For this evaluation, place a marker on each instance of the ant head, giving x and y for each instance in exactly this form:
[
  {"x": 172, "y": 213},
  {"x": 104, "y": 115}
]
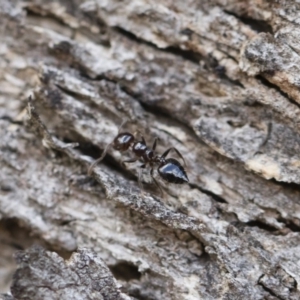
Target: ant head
[{"x": 123, "y": 141}]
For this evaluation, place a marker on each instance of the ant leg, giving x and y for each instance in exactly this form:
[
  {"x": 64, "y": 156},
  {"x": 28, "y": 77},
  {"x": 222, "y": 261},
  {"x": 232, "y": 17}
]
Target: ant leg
[
  {"x": 128, "y": 161},
  {"x": 156, "y": 183},
  {"x": 178, "y": 153},
  {"x": 154, "y": 144},
  {"x": 92, "y": 166},
  {"x": 165, "y": 153}
]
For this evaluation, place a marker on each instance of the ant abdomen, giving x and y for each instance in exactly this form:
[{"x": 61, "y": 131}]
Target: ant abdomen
[{"x": 172, "y": 171}]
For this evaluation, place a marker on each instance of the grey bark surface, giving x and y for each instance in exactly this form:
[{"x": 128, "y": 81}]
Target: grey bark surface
[{"x": 218, "y": 80}]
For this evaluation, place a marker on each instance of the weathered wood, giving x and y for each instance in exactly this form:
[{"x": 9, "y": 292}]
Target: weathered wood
[
  {"x": 216, "y": 79},
  {"x": 84, "y": 277}
]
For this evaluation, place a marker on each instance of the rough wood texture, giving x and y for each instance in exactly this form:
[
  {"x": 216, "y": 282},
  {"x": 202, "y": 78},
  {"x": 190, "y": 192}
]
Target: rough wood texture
[
  {"x": 84, "y": 277},
  {"x": 218, "y": 80}
]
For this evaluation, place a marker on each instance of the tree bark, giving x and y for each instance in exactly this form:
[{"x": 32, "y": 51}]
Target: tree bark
[{"x": 218, "y": 80}]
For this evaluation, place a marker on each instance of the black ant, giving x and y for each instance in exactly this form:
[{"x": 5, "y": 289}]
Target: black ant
[{"x": 168, "y": 169}]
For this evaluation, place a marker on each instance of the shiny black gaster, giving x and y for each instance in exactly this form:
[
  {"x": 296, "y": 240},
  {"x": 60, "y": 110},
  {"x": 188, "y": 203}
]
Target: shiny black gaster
[{"x": 172, "y": 171}]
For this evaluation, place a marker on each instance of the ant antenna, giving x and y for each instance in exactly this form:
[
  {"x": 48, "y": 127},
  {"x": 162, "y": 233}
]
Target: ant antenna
[
  {"x": 92, "y": 166},
  {"x": 122, "y": 124}
]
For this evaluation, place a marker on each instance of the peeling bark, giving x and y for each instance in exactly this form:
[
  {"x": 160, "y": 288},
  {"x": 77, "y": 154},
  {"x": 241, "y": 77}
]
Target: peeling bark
[{"x": 218, "y": 80}]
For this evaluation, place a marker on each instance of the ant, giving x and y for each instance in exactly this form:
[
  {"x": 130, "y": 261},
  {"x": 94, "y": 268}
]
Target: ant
[{"x": 169, "y": 169}]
